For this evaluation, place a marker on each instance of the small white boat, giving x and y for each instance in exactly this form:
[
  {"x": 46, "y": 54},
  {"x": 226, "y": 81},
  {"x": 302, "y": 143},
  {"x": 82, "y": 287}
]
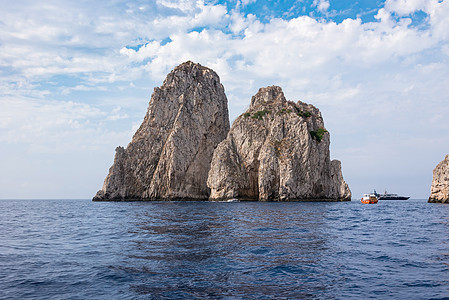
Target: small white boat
[
  {"x": 233, "y": 200},
  {"x": 229, "y": 200}
]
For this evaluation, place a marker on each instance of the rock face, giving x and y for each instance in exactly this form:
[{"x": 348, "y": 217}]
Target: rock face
[
  {"x": 439, "y": 191},
  {"x": 169, "y": 155},
  {"x": 277, "y": 150}
]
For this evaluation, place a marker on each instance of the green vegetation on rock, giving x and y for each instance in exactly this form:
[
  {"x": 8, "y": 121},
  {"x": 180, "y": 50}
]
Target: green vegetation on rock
[
  {"x": 318, "y": 134},
  {"x": 259, "y": 115},
  {"x": 301, "y": 113},
  {"x": 283, "y": 111}
]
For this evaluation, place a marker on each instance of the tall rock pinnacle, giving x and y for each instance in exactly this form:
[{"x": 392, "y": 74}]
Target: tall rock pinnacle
[
  {"x": 169, "y": 155},
  {"x": 277, "y": 150}
]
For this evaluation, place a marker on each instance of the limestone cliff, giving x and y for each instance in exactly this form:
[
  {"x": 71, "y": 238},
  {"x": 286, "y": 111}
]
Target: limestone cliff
[
  {"x": 439, "y": 191},
  {"x": 277, "y": 150},
  {"x": 169, "y": 155}
]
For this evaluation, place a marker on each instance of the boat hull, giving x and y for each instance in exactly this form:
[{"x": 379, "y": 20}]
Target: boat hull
[
  {"x": 369, "y": 201},
  {"x": 393, "y": 198}
]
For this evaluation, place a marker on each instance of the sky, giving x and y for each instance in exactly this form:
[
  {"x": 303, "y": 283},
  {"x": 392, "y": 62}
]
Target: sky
[{"x": 76, "y": 78}]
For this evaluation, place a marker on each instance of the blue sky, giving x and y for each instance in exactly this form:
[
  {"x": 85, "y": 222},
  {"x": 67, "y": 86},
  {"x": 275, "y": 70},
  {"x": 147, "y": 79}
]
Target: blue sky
[{"x": 76, "y": 78}]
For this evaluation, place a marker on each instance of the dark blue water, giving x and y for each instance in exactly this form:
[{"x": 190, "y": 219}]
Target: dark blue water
[{"x": 78, "y": 249}]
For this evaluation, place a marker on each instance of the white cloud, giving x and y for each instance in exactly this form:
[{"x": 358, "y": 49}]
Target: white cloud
[
  {"x": 321, "y": 5},
  {"x": 29, "y": 121},
  {"x": 84, "y": 88},
  {"x": 148, "y": 50},
  {"x": 209, "y": 15},
  {"x": 438, "y": 12},
  {"x": 405, "y": 7},
  {"x": 237, "y": 22},
  {"x": 183, "y": 5},
  {"x": 116, "y": 115},
  {"x": 246, "y": 2}
]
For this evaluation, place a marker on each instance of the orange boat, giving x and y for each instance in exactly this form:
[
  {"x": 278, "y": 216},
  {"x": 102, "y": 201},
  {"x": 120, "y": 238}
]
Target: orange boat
[{"x": 369, "y": 199}]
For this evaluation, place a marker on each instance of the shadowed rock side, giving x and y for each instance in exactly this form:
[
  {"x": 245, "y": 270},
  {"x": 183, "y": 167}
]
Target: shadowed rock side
[
  {"x": 169, "y": 155},
  {"x": 277, "y": 150},
  {"x": 439, "y": 191}
]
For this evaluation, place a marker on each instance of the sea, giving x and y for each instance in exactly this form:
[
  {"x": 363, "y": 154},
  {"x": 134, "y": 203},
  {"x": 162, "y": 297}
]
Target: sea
[{"x": 79, "y": 249}]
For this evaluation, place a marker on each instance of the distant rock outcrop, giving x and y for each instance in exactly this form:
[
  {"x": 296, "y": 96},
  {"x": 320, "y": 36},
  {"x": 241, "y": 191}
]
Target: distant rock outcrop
[
  {"x": 276, "y": 151},
  {"x": 169, "y": 155},
  {"x": 439, "y": 191}
]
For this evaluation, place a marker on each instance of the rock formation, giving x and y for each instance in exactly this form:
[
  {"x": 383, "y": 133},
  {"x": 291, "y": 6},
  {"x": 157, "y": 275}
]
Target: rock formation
[
  {"x": 277, "y": 150},
  {"x": 169, "y": 155},
  {"x": 439, "y": 191}
]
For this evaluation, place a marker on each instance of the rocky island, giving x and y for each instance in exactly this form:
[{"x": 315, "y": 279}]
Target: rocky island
[
  {"x": 169, "y": 155},
  {"x": 439, "y": 191},
  {"x": 278, "y": 150}
]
